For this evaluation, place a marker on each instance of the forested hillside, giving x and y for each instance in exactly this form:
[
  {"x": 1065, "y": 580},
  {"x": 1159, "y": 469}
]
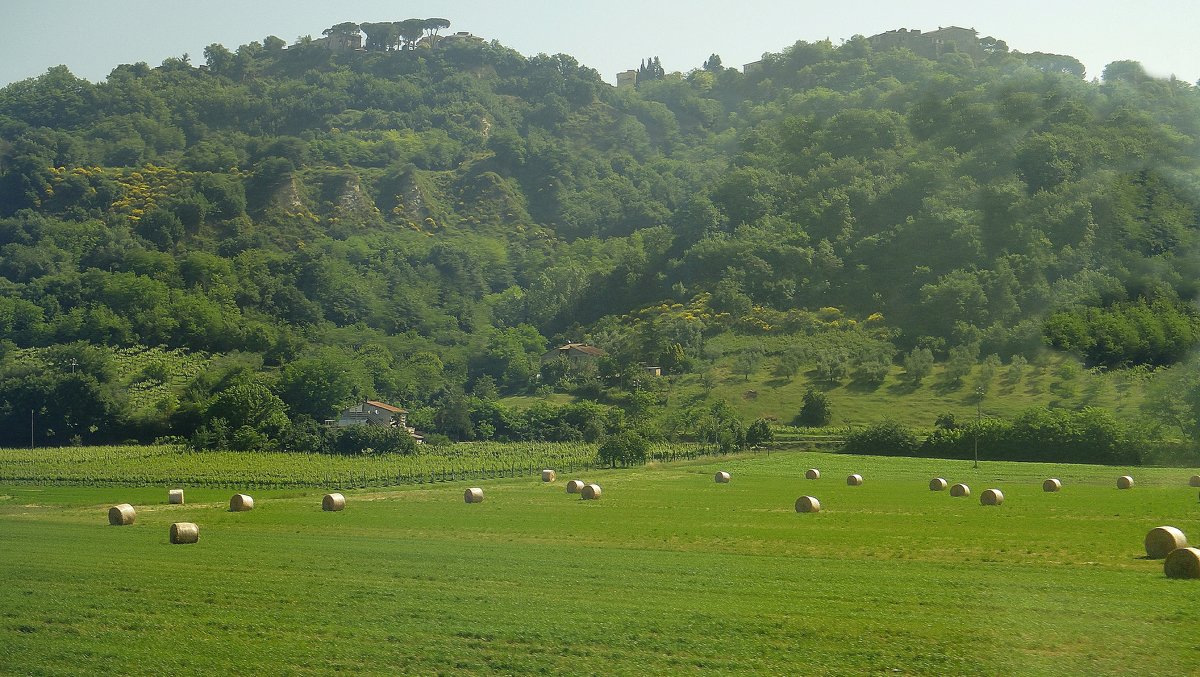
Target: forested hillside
[{"x": 282, "y": 230}]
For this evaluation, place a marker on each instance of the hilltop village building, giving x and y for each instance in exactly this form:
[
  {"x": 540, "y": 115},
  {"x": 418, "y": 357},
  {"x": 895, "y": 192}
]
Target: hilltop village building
[{"x": 931, "y": 44}]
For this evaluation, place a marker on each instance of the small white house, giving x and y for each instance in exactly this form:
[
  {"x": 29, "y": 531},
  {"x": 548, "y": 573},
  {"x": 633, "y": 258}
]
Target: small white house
[{"x": 370, "y": 412}]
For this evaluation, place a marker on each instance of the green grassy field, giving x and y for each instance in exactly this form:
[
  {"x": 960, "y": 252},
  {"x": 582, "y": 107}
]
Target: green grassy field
[{"x": 667, "y": 573}]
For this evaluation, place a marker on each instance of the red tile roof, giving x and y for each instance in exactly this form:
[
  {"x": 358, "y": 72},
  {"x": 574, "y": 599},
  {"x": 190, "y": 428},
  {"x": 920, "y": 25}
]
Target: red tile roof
[{"x": 386, "y": 407}]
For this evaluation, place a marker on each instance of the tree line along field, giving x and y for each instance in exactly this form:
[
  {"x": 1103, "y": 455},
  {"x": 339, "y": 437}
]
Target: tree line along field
[{"x": 668, "y": 572}]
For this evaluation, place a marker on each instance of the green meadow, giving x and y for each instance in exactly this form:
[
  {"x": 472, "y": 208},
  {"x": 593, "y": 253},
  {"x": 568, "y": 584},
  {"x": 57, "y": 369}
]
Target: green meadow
[{"x": 667, "y": 573}]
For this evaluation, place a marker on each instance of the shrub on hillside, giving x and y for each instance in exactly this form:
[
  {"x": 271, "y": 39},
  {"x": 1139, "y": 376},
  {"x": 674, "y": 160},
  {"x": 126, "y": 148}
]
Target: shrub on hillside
[{"x": 886, "y": 438}]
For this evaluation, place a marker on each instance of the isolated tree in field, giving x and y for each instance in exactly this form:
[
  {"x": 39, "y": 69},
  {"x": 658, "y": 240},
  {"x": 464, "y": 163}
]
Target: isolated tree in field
[
  {"x": 759, "y": 433},
  {"x": 746, "y": 363},
  {"x": 816, "y": 410},
  {"x": 626, "y": 447},
  {"x": 987, "y": 372},
  {"x": 1016, "y": 368},
  {"x": 962, "y": 359},
  {"x": 918, "y": 364}
]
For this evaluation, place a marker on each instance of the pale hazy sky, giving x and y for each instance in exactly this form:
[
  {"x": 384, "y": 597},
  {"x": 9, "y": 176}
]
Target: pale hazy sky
[{"x": 93, "y": 36}]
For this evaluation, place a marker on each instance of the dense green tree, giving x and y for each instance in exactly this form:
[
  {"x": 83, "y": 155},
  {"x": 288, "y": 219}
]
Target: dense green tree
[
  {"x": 816, "y": 410},
  {"x": 626, "y": 447}
]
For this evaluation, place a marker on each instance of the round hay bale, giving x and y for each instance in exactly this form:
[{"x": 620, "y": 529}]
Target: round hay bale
[
  {"x": 937, "y": 484},
  {"x": 1194, "y": 481},
  {"x": 854, "y": 480},
  {"x": 241, "y": 503},
  {"x": 175, "y": 497},
  {"x": 121, "y": 515},
  {"x": 808, "y": 504},
  {"x": 549, "y": 475},
  {"x": 333, "y": 502},
  {"x": 184, "y": 532},
  {"x": 991, "y": 497},
  {"x": 812, "y": 474},
  {"x": 1161, "y": 541},
  {"x": 721, "y": 477},
  {"x": 1052, "y": 484},
  {"x": 1124, "y": 482},
  {"x": 960, "y": 490},
  {"x": 473, "y": 495},
  {"x": 574, "y": 486},
  {"x": 591, "y": 492},
  {"x": 1183, "y": 563}
]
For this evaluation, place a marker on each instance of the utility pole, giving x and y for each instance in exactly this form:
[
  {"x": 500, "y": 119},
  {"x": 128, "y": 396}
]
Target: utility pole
[{"x": 978, "y": 417}]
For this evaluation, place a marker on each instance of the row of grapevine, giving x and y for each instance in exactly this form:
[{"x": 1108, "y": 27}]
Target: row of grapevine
[{"x": 174, "y": 465}]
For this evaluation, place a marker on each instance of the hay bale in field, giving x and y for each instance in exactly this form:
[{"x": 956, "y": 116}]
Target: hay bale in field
[
  {"x": 184, "y": 532},
  {"x": 175, "y": 497},
  {"x": 1161, "y": 541},
  {"x": 121, "y": 515},
  {"x": 333, "y": 502},
  {"x": 808, "y": 504},
  {"x": 590, "y": 492},
  {"x": 937, "y": 484},
  {"x": 1052, "y": 484},
  {"x": 721, "y": 477},
  {"x": 241, "y": 503},
  {"x": 1124, "y": 482},
  {"x": 473, "y": 495},
  {"x": 1183, "y": 563},
  {"x": 549, "y": 475},
  {"x": 812, "y": 474},
  {"x": 574, "y": 486},
  {"x": 854, "y": 480},
  {"x": 960, "y": 490},
  {"x": 1194, "y": 481},
  {"x": 991, "y": 497}
]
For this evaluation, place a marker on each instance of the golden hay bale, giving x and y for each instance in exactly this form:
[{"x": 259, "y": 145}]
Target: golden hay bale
[
  {"x": 721, "y": 477},
  {"x": 1183, "y": 563},
  {"x": 1124, "y": 482},
  {"x": 574, "y": 486},
  {"x": 175, "y": 497},
  {"x": 591, "y": 492},
  {"x": 1194, "y": 481},
  {"x": 808, "y": 504},
  {"x": 333, "y": 502},
  {"x": 812, "y": 474},
  {"x": 1052, "y": 484},
  {"x": 1161, "y": 541},
  {"x": 473, "y": 495},
  {"x": 241, "y": 503},
  {"x": 937, "y": 484},
  {"x": 991, "y": 497},
  {"x": 549, "y": 475},
  {"x": 854, "y": 480},
  {"x": 960, "y": 490},
  {"x": 121, "y": 515},
  {"x": 184, "y": 532}
]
